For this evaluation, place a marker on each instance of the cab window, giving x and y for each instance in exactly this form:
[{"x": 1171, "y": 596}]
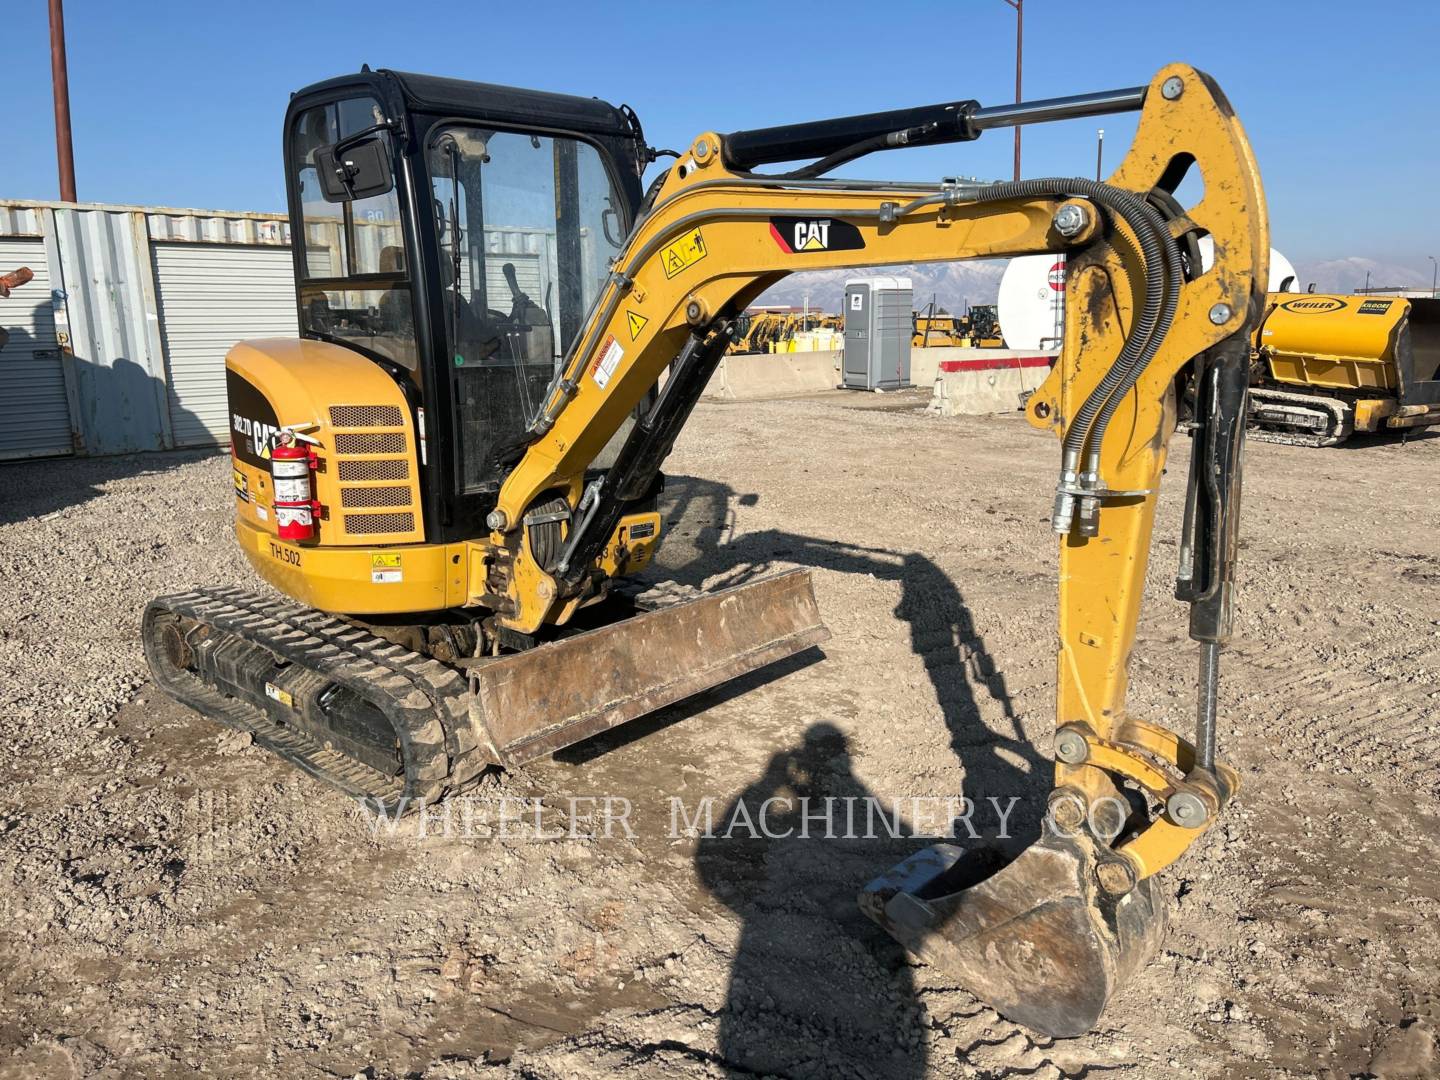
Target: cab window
[
  {"x": 355, "y": 284},
  {"x": 527, "y": 226}
]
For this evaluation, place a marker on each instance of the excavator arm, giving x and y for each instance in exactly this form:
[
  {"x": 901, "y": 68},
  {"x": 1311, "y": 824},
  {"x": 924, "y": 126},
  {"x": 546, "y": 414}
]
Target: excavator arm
[{"x": 1049, "y": 937}]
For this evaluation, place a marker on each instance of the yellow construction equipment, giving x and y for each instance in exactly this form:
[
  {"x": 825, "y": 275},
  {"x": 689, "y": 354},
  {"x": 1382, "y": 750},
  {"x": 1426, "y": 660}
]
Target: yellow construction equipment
[
  {"x": 978, "y": 328},
  {"x": 501, "y": 338},
  {"x": 934, "y": 329},
  {"x": 1326, "y": 366},
  {"x": 773, "y": 330}
]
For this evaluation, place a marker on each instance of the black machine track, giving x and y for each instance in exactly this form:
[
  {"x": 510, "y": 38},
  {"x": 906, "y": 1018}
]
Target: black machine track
[
  {"x": 1299, "y": 419},
  {"x": 369, "y": 717}
]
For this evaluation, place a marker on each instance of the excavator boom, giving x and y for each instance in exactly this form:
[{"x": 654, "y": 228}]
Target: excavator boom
[{"x": 1050, "y": 937}]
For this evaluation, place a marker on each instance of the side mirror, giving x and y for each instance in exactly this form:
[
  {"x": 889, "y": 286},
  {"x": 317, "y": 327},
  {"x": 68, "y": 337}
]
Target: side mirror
[{"x": 358, "y": 171}]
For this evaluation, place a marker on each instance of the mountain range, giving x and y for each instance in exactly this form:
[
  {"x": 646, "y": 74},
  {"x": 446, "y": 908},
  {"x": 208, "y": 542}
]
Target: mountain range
[{"x": 953, "y": 285}]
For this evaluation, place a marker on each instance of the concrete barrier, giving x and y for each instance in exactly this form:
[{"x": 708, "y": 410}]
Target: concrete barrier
[
  {"x": 965, "y": 381},
  {"x": 756, "y": 376},
  {"x": 973, "y": 382}
]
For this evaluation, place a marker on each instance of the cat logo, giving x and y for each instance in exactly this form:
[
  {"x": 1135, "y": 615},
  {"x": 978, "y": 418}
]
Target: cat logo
[
  {"x": 798, "y": 236},
  {"x": 261, "y": 435}
]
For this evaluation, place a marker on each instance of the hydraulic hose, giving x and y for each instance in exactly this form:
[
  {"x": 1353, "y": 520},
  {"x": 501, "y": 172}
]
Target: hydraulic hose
[
  {"x": 1148, "y": 229},
  {"x": 1162, "y": 285},
  {"x": 1173, "y": 277}
]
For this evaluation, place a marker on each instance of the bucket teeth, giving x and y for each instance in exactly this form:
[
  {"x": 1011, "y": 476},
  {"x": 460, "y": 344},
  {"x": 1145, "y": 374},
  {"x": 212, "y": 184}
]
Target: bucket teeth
[{"x": 1039, "y": 940}]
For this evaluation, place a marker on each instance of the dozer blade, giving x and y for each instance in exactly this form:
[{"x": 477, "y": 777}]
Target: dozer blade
[
  {"x": 1040, "y": 940},
  {"x": 537, "y": 702}
]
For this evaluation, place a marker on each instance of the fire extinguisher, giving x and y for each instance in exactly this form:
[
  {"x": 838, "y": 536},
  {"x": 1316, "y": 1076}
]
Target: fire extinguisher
[{"x": 291, "y": 466}]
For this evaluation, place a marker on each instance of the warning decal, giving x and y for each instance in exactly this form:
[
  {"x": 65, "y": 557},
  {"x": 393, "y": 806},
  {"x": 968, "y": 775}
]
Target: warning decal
[
  {"x": 683, "y": 253},
  {"x": 607, "y": 360},
  {"x": 637, "y": 323},
  {"x": 385, "y": 569}
]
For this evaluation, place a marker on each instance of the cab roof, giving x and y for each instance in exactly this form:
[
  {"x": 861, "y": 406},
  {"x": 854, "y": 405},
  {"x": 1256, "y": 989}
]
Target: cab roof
[{"x": 503, "y": 105}]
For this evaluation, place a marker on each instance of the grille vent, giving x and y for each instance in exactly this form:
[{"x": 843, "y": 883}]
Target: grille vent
[
  {"x": 365, "y": 498},
  {"x": 364, "y": 416},
  {"x": 368, "y": 469},
  {"x": 390, "y": 442},
  {"x": 370, "y": 524}
]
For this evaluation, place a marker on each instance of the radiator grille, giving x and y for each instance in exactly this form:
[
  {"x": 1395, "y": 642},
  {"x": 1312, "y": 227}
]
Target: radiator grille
[
  {"x": 369, "y": 524},
  {"x": 364, "y": 416},
  {"x": 389, "y": 442},
  {"x": 370, "y": 497},
  {"x": 369, "y": 469}
]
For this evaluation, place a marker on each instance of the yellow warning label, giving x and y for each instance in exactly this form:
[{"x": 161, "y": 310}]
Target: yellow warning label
[
  {"x": 377, "y": 561},
  {"x": 637, "y": 323},
  {"x": 275, "y": 693},
  {"x": 683, "y": 253}
]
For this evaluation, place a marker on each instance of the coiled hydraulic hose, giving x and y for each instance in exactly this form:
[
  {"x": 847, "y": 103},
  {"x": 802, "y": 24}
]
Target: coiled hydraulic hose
[
  {"x": 1162, "y": 285},
  {"x": 1173, "y": 277},
  {"x": 1140, "y": 343}
]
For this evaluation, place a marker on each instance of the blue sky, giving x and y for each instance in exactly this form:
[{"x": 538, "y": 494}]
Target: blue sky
[{"x": 180, "y": 103}]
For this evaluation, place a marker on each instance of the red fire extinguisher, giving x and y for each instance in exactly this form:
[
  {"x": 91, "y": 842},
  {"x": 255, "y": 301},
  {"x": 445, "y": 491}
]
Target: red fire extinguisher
[{"x": 291, "y": 466}]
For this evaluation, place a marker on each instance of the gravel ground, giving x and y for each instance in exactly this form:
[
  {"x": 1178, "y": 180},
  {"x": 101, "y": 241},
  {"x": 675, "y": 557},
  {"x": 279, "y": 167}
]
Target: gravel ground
[{"x": 174, "y": 900}]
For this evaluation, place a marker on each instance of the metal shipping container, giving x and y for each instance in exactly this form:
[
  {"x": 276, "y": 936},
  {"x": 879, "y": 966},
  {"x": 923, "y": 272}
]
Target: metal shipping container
[
  {"x": 34, "y": 406},
  {"x": 210, "y": 296},
  {"x": 113, "y": 341},
  {"x": 119, "y": 343}
]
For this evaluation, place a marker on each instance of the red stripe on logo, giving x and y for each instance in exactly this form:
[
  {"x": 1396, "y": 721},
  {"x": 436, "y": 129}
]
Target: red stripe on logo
[{"x": 781, "y": 241}]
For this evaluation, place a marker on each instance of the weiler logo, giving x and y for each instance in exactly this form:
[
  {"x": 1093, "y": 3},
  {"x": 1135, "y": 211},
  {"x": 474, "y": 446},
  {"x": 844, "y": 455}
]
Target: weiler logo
[
  {"x": 1313, "y": 305},
  {"x": 796, "y": 236}
]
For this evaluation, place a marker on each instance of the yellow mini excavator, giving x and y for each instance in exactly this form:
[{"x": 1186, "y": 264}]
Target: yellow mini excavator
[{"x": 501, "y": 336}]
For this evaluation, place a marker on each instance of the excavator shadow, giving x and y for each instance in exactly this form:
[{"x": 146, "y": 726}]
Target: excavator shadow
[
  {"x": 802, "y": 937},
  {"x": 702, "y": 550}
]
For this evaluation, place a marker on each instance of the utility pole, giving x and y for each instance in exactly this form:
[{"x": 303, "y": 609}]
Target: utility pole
[
  {"x": 1099, "y": 152},
  {"x": 1019, "y": 6},
  {"x": 64, "y": 150},
  {"x": 1366, "y": 290},
  {"x": 1434, "y": 275}
]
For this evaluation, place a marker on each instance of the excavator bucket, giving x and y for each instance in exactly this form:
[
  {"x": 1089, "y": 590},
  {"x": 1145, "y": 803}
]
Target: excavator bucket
[
  {"x": 1041, "y": 940},
  {"x": 537, "y": 702}
]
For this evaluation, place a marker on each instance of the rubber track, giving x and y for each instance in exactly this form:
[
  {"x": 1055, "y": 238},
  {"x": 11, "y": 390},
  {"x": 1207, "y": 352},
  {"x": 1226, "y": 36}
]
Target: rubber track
[
  {"x": 1336, "y": 413},
  {"x": 426, "y": 702}
]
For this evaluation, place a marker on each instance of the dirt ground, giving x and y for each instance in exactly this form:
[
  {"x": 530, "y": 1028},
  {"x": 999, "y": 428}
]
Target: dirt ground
[{"x": 174, "y": 900}]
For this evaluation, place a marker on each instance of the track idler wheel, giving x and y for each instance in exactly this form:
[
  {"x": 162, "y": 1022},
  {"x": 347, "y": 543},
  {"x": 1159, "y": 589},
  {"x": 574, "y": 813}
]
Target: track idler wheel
[{"x": 1045, "y": 941}]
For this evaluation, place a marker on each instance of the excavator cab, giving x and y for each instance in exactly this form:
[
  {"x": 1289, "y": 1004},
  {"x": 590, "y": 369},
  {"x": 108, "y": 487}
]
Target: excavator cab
[{"x": 456, "y": 234}]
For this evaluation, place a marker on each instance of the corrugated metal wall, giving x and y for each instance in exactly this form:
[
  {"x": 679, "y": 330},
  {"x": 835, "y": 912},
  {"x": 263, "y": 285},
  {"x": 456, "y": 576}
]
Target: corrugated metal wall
[
  {"x": 114, "y": 341},
  {"x": 211, "y": 296},
  {"x": 119, "y": 343},
  {"x": 34, "y": 407}
]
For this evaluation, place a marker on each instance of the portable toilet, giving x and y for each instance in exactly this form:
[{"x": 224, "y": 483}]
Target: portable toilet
[{"x": 877, "y": 333}]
